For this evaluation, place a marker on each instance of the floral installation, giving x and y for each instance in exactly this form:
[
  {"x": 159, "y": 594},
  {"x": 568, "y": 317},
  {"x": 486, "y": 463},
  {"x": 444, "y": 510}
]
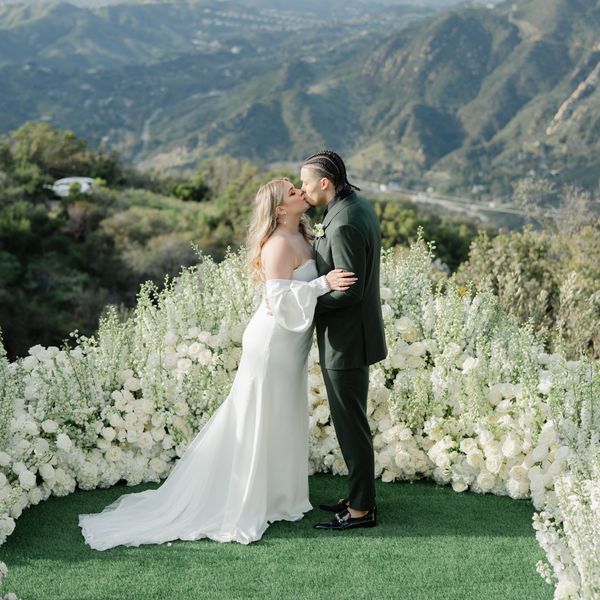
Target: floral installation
[{"x": 466, "y": 397}]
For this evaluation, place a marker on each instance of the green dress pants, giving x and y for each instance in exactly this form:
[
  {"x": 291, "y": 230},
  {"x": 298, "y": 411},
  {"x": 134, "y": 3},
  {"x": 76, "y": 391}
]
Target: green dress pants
[{"x": 347, "y": 391}]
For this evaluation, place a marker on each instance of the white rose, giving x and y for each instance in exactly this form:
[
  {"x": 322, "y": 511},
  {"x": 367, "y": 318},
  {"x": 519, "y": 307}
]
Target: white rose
[
  {"x": 548, "y": 435},
  {"x": 404, "y": 325},
  {"x": 402, "y": 459},
  {"x": 495, "y": 394},
  {"x": 469, "y": 364},
  {"x": 511, "y": 447},
  {"x": 30, "y": 427},
  {"x": 49, "y": 426},
  {"x": 416, "y": 349},
  {"x": 561, "y": 453},
  {"x": 167, "y": 442},
  {"x": 467, "y": 445},
  {"x": 158, "y": 434},
  {"x": 205, "y": 358},
  {"x": 145, "y": 440},
  {"x": 116, "y": 420},
  {"x": 486, "y": 481},
  {"x": 493, "y": 463},
  {"x": 170, "y": 338},
  {"x": 182, "y": 350},
  {"x": 475, "y": 458},
  {"x": 385, "y": 293},
  {"x": 545, "y": 386},
  {"x": 194, "y": 349},
  {"x": 5, "y": 459},
  {"x": 485, "y": 437},
  {"x": 18, "y": 468},
  {"x": 35, "y": 495},
  {"x": 397, "y": 360},
  {"x": 503, "y": 407},
  {"x": 158, "y": 419},
  {"x": 47, "y": 472},
  {"x": 387, "y": 311},
  {"x": 235, "y": 333},
  {"x": 414, "y": 362},
  {"x": 539, "y": 453},
  {"x": 517, "y": 488},
  {"x": 102, "y": 444},
  {"x": 184, "y": 364},
  {"x": 131, "y": 419},
  {"x": 170, "y": 360},
  {"x": 157, "y": 465},
  {"x": 442, "y": 460},
  {"x": 133, "y": 384},
  {"x": 181, "y": 409},
  {"x": 519, "y": 473},
  {"x": 566, "y": 589},
  {"x": 508, "y": 390},
  {"x": 63, "y": 442},
  {"x": 405, "y": 434},
  {"x": 30, "y": 363},
  {"x": 41, "y": 447},
  {"x": 458, "y": 486},
  {"x": 27, "y": 479},
  {"x": 108, "y": 433},
  {"x": 114, "y": 453}
]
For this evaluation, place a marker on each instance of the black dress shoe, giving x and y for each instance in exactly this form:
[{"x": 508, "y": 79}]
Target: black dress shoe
[
  {"x": 339, "y": 506},
  {"x": 343, "y": 521}
]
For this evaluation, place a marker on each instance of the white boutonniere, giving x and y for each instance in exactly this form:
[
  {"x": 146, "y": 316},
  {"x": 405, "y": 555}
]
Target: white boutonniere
[{"x": 319, "y": 230}]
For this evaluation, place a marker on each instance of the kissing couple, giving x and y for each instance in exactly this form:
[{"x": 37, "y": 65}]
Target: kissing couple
[{"x": 248, "y": 466}]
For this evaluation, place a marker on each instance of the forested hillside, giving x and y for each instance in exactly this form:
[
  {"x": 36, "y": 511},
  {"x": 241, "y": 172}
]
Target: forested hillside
[
  {"x": 62, "y": 261},
  {"x": 468, "y": 96}
]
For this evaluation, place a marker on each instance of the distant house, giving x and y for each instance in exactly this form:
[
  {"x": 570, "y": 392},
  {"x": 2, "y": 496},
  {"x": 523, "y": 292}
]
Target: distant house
[{"x": 62, "y": 187}]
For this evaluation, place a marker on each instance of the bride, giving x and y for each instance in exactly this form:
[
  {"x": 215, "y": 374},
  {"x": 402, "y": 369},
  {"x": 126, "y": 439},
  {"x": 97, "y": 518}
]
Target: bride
[{"x": 248, "y": 466}]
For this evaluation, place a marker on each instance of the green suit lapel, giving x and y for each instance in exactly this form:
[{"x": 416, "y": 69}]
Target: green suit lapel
[{"x": 338, "y": 208}]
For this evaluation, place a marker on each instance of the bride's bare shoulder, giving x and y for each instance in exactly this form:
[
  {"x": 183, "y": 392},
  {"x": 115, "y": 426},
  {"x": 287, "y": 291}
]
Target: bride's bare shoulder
[
  {"x": 277, "y": 244},
  {"x": 277, "y": 257}
]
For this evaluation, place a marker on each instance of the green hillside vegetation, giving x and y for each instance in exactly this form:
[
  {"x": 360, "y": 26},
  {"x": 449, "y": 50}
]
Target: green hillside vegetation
[
  {"x": 62, "y": 261},
  {"x": 469, "y": 96}
]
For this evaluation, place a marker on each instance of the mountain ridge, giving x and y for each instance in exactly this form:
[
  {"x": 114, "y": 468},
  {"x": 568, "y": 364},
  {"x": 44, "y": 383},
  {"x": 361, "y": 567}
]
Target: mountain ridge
[{"x": 470, "y": 96}]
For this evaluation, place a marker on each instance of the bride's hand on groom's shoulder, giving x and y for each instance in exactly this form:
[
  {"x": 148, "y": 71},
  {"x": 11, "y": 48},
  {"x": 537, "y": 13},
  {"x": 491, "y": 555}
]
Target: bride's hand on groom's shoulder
[{"x": 340, "y": 280}]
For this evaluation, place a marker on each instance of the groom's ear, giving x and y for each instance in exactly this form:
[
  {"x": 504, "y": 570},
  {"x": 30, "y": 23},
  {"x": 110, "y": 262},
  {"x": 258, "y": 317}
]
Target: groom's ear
[{"x": 325, "y": 183}]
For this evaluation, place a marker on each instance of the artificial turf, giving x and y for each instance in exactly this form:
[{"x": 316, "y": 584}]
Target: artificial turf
[{"x": 430, "y": 543}]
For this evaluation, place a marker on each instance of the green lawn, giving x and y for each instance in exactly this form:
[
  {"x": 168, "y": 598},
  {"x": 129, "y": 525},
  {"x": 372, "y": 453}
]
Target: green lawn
[{"x": 431, "y": 543}]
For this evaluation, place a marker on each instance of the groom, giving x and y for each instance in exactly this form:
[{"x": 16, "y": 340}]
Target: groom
[{"x": 349, "y": 325}]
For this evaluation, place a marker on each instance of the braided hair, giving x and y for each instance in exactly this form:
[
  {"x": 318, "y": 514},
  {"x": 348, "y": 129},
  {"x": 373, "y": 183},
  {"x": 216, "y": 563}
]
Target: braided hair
[{"x": 330, "y": 165}]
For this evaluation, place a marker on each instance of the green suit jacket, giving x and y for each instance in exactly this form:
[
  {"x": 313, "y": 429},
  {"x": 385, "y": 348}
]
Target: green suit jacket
[{"x": 349, "y": 324}]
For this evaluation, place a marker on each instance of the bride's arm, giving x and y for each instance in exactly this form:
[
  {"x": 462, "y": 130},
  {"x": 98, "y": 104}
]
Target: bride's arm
[{"x": 292, "y": 303}]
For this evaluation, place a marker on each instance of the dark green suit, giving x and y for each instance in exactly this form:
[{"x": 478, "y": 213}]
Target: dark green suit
[{"x": 350, "y": 334}]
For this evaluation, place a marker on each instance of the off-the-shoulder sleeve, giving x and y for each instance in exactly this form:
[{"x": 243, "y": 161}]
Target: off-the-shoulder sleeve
[{"x": 293, "y": 302}]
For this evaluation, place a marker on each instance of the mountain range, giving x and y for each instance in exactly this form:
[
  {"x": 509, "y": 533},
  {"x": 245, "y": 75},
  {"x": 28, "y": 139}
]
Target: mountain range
[{"x": 468, "y": 97}]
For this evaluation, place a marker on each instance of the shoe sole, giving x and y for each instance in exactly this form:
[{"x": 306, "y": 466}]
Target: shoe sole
[{"x": 357, "y": 526}]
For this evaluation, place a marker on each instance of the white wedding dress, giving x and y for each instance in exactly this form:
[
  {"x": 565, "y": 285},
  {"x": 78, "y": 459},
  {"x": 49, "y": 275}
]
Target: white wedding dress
[{"x": 248, "y": 466}]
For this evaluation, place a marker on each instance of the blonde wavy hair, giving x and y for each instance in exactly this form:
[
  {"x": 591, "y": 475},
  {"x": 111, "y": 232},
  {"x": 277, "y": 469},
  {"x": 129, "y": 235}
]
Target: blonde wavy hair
[{"x": 264, "y": 222}]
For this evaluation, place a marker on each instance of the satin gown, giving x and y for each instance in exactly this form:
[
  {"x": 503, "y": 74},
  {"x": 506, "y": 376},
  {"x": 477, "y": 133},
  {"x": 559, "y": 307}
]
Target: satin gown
[{"x": 248, "y": 466}]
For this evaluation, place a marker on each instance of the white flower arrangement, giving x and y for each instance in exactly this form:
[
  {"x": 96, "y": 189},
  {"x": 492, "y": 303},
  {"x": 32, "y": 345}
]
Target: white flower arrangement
[{"x": 465, "y": 397}]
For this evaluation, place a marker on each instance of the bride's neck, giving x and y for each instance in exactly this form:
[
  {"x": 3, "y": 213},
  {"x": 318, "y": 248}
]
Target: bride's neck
[{"x": 291, "y": 225}]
